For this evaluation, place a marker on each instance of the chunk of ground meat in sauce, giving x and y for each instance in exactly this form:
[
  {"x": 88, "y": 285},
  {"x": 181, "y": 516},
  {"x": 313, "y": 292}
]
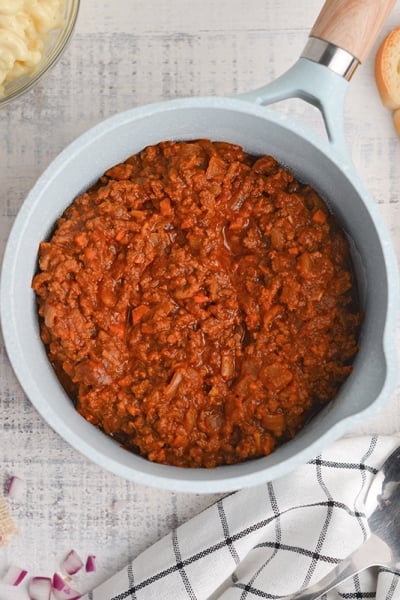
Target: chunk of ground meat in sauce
[{"x": 198, "y": 304}]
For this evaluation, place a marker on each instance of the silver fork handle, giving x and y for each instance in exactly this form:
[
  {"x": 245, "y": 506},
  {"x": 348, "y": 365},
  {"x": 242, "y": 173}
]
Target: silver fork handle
[{"x": 374, "y": 552}]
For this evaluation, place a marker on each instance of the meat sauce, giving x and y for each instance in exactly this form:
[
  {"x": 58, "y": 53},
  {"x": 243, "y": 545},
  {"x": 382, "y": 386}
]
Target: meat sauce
[{"x": 198, "y": 304}]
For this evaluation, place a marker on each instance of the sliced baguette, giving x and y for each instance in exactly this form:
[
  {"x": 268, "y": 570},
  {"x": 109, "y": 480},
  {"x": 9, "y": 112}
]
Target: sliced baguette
[
  {"x": 387, "y": 69},
  {"x": 396, "y": 119}
]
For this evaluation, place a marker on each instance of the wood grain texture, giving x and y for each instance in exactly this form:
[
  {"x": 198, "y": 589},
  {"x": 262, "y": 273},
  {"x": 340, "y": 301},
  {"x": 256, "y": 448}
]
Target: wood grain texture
[
  {"x": 7, "y": 525},
  {"x": 352, "y": 25},
  {"x": 126, "y": 53}
]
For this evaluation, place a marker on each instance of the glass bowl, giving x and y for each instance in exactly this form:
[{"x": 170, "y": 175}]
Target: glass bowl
[{"x": 55, "y": 45}]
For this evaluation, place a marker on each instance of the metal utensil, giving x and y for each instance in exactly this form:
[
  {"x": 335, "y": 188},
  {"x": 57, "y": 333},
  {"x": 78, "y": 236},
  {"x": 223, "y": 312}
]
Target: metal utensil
[{"x": 382, "y": 548}]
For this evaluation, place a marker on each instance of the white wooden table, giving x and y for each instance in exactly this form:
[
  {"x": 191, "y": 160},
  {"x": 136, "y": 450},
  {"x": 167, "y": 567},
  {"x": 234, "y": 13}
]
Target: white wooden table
[{"x": 125, "y": 53}]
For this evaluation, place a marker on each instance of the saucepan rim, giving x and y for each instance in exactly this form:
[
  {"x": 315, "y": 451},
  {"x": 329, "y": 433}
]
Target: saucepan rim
[{"x": 221, "y": 479}]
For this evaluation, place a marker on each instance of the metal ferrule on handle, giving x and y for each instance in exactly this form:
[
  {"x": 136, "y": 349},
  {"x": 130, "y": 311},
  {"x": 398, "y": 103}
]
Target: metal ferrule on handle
[{"x": 336, "y": 59}]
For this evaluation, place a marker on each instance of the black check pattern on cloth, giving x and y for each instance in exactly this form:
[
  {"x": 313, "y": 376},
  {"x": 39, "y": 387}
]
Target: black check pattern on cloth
[{"x": 271, "y": 540}]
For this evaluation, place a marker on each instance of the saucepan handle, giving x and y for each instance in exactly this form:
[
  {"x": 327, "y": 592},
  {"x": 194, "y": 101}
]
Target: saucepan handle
[
  {"x": 352, "y": 25},
  {"x": 340, "y": 40}
]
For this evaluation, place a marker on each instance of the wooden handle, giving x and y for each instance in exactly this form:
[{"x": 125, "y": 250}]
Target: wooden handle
[{"x": 352, "y": 25}]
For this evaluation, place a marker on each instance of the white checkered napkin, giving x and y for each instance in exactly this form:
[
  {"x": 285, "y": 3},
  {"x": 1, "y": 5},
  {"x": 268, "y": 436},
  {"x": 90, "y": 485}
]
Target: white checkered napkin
[{"x": 268, "y": 541}]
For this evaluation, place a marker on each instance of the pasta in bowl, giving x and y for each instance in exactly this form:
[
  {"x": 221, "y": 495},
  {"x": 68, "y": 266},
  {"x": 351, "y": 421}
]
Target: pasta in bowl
[{"x": 33, "y": 35}]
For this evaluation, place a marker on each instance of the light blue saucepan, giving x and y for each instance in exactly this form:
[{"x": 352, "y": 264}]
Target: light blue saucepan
[{"x": 319, "y": 77}]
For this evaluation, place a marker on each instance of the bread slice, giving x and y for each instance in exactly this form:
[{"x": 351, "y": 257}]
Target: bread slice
[
  {"x": 396, "y": 119},
  {"x": 387, "y": 69}
]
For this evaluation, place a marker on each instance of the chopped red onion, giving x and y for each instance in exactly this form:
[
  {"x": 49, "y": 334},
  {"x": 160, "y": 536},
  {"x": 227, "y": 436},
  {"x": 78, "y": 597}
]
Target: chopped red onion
[
  {"x": 15, "y": 487},
  {"x": 58, "y": 582},
  {"x": 14, "y": 575},
  {"x": 90, "y": 563},
  {"x": 72, "y": 563},
  {"x": 39, "y": 588},
  {"x": 62, "y": 591}
]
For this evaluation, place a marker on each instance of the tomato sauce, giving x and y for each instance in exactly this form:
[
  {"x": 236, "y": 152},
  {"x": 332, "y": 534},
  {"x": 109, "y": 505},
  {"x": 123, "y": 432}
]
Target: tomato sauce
[{"x": 198, "y": 304}]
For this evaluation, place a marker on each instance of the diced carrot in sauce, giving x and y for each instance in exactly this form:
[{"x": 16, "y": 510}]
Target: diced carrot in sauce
[
  {"x": 139, "y": 312},
  {"x": 119, "y": 236},
  {"x": 200, "y": 298},
  {"x": 319, "y": 216},
  {"x": 165, "y": 207},
  {"x": 81, "y": 240}
]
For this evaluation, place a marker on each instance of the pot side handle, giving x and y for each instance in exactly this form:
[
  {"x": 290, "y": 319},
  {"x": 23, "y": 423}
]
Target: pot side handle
[{"x": 352, "y": 25}]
